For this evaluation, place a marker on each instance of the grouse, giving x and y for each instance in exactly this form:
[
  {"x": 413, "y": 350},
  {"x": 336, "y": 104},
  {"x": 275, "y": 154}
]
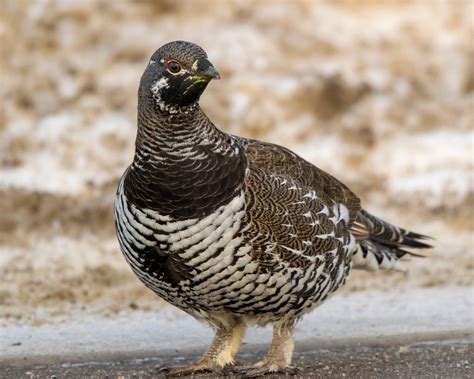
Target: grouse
[{"x": 235, "y": 231}]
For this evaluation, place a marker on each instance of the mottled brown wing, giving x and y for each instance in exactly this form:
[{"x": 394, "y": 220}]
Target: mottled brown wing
[
  {"x": 281, "y": 161},
  {"x": 296, "y": 217}
]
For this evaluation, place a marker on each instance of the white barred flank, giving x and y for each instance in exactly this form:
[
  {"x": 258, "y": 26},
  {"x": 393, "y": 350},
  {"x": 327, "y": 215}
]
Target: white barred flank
[
  {"x": 223, "y": 272},
  {"x": 196, "y": 241}
]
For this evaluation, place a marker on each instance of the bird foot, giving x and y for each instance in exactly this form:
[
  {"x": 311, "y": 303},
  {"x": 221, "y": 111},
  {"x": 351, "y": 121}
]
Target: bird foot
[
  {"x": 262, "y": 369},
  {"x": 196, "y": 368}
]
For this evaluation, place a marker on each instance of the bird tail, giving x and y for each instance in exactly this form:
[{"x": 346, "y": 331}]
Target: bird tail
[{"x": 381, "y": 245}]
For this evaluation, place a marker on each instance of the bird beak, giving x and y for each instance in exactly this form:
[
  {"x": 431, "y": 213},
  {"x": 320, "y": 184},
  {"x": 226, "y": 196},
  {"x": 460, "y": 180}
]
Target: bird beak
[
  {"x": 212, "y": 72},
  {"x": 204, "y": 70}
]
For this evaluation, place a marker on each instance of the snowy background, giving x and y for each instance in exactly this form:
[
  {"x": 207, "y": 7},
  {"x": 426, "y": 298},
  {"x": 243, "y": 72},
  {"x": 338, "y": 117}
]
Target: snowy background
[{"x": 378, "y": 93}]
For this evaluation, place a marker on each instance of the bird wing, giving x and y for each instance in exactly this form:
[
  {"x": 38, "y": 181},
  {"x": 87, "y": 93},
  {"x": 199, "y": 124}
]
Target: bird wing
[
  {"x": 278, "y": 160},
  {"x": 297, "y": 215}
]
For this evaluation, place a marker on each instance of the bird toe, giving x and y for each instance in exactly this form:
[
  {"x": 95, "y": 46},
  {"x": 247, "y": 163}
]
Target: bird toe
[
  {"x": 197, "y": 368},
  {"x": 269, "y": 369}
]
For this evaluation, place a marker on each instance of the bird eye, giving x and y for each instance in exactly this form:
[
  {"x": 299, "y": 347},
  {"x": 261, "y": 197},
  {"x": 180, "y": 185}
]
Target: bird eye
[{"x": 174, "y": 67}]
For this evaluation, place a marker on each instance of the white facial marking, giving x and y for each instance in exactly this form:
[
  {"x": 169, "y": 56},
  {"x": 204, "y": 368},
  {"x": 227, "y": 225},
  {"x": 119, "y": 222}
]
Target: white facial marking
[
  {"x": 159, "y": 84},
  {"x": 155, "y": 89},
  {"x": 151, "y": 62}
]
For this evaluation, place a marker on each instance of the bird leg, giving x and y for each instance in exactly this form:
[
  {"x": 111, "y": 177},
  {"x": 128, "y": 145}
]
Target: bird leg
[
  {"x": 279, "y": 356},
  {"x": 224, "y": 347}
]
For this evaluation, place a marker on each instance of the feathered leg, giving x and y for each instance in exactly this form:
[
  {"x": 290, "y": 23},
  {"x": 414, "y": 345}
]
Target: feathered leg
[
  {"x": 224, "y": 347},
  {"x": 279, "y": 356}
]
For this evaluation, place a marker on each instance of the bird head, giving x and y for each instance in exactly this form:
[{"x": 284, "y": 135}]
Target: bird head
[{"x": 176, "y": 76}]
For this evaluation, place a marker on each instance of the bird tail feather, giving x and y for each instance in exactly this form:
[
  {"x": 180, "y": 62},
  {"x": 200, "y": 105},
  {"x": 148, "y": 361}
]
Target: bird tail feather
[{"x": 381, "y": 245}]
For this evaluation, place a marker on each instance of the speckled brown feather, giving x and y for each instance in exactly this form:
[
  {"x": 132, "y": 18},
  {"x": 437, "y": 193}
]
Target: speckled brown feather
[{"x": 282, "y": 161}]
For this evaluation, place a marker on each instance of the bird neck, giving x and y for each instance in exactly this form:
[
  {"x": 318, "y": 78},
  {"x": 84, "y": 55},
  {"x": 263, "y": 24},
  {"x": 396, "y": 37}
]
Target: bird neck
[
  {"x": 171, "y": 132},
  {"x": 184, "y": 166}
]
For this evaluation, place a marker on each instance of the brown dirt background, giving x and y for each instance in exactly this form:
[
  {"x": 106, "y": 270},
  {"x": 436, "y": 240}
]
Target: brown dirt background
[{"x": 379, "y": 93}]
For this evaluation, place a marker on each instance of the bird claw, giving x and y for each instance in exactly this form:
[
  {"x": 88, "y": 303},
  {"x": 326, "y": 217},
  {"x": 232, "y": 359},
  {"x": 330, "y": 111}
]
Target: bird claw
[
  {"x": 197, "y": 368},
  {"x": 260, "y": 369},
  {"x": 267, "y": 369}
]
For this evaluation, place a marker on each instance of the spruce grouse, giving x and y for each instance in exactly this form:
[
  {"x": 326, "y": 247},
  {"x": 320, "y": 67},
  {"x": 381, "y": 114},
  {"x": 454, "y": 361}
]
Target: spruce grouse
[{"x": 235, "y": 231}]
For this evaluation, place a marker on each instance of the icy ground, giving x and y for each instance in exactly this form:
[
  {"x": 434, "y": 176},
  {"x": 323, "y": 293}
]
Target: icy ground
[{"x": 359, "y": 318}]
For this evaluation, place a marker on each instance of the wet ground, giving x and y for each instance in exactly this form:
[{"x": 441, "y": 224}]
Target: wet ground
[{"x": 438, "y": 359}]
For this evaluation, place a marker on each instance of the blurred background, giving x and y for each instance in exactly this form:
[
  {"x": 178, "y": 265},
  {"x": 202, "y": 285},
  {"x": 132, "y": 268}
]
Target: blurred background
[{"x": 378, "y": 93}]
